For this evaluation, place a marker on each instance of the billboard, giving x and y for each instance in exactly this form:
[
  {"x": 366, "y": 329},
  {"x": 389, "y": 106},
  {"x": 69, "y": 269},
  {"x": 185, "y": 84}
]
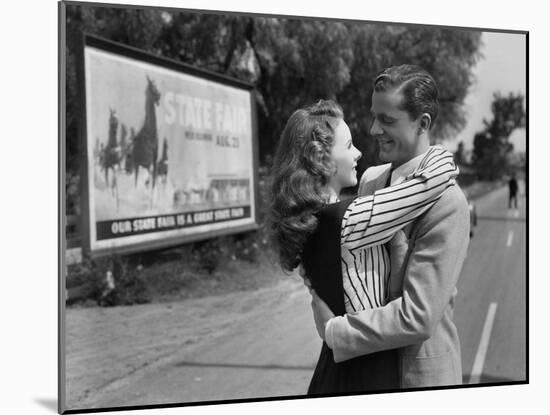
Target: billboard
[{"x": 171, "y": 151}]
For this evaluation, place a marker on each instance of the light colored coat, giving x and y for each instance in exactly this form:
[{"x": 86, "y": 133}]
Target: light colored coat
[{"x": 418, "y": 320}]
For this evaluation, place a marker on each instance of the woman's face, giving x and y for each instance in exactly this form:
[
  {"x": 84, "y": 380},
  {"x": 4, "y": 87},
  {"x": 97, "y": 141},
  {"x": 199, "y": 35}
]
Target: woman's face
[{"x": 345, "y": 156}]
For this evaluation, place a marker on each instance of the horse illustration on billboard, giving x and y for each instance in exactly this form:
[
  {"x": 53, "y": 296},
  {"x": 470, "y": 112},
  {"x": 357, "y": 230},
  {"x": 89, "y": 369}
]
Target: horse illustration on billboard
[
  {"x": 128, "y": 151},
  {"x": 111, "y": 155},
  {"x": 124, "y": 145},
  {"x": 145, "y": 143},
  {"x": 163, "y": 162}
]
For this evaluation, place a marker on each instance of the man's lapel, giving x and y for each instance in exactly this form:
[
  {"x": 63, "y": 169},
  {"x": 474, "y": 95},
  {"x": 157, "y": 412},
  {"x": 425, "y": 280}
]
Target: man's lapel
[{"x": 373, "y": 179}]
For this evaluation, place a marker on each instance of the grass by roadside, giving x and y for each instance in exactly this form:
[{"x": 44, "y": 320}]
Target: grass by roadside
[
  {"x": 176, "y": 279},
  {"x": 224, "y": 266}
]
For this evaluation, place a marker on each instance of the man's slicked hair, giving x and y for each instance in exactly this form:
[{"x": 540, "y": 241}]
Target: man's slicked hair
[{"x": 420, "y": 93}]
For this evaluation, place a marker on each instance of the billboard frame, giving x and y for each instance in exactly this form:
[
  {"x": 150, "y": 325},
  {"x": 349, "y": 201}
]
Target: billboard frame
[{"x": 171, "y": 64}]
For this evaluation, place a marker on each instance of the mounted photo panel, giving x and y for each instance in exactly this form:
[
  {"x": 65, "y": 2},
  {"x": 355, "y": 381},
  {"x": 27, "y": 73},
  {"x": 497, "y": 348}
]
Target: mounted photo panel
[{"x": 197, "y": 151}]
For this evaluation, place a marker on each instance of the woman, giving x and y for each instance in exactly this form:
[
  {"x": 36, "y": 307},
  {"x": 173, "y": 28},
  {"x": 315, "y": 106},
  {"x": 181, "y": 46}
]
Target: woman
[{"x": 337, "y": 241}]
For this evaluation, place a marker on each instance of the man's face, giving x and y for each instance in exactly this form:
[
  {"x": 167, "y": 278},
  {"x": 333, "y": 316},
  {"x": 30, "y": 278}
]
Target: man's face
[{"x": 398, "y": 135}]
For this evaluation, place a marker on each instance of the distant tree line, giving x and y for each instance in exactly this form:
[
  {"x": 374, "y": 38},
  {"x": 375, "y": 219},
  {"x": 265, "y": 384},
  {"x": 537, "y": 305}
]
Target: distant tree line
[
  {"x": 493, "y": 155},
  {"x": 291, "y": 62}
]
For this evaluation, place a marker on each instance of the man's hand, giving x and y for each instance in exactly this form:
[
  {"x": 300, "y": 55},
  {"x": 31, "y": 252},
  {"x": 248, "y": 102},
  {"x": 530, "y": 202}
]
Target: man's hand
[{"x": 321, "y": 313}]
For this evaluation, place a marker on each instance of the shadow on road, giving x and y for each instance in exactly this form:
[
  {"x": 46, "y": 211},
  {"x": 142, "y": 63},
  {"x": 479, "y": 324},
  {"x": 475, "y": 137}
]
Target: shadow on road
[{"x": 243, "y": 366}]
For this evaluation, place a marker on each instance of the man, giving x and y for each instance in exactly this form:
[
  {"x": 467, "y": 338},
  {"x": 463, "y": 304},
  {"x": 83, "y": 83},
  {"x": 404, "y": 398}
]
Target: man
[
  {"x": 513, "y": 192},
  {"x": 418, "y": 319}
]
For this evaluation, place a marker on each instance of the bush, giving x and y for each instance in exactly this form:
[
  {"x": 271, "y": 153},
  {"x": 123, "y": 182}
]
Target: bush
[
  {"x": 130, "y": 287},
  {"x": 107, "y": 281},
  {"x": 72, "y": 190},
  {"x": 250, "y": 246},
  {"x": 84, "y": 281},
  {"x": 206, "y": 254}
]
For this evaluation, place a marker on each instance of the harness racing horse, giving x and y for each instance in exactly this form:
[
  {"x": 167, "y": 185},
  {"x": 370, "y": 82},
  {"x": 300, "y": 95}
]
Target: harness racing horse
[
  {"x": 112, "y": 155},
  {"x": 145, "y": 143},
  {"x": 128, "y": 158},
  {"x": 163, "y": 162}
]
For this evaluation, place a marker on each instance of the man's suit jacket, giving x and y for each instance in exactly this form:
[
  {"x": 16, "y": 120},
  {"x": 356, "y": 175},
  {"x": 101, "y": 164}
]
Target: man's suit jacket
[{"x": 419, "y": 317}]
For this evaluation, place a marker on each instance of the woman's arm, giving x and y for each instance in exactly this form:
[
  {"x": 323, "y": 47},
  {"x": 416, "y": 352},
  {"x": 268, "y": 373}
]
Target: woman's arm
[{"x": 373, "y": 220}]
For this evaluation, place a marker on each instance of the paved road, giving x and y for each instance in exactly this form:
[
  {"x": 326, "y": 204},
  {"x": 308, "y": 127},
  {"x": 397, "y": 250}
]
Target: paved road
[
  {"x": 495, "y": 273},
  {"x": 268, "y": 347}
]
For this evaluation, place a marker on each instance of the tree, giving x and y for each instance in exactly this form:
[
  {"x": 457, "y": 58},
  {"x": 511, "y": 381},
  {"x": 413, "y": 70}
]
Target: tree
[
  {"x": 492, "y": 149},
  {"x": 460, "y": 157},
  {"x": 448, "y": 54}
]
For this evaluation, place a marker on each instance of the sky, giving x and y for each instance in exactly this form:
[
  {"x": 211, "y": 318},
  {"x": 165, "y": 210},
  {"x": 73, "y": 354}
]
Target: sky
[{"x": 502, "y": 68}]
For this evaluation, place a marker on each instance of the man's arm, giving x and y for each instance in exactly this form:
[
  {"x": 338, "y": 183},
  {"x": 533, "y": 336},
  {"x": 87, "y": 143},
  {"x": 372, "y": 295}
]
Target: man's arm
[
  {"x": 374, "y": 219},
  {"x": 431, "y": 276}
]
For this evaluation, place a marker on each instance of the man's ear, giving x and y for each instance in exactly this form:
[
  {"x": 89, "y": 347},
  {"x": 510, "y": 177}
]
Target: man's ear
[{"x": 425, "y": 121}]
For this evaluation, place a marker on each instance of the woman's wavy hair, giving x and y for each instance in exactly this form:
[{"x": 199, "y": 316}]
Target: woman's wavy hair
[{"x": 301, "y": 171}]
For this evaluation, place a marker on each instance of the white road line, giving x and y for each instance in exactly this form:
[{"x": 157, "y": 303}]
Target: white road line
[
  {"x": 510, "y": 238},
  {"x": 516, "y": 214},
  {"x": 479, "y": 361}
]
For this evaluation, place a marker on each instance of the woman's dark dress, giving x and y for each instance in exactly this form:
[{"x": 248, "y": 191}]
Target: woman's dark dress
[{"x": 322, "y": 262}]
